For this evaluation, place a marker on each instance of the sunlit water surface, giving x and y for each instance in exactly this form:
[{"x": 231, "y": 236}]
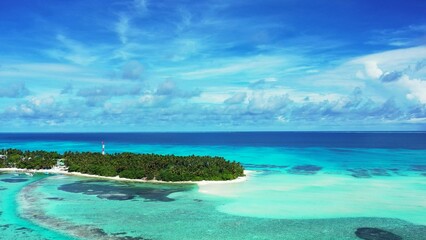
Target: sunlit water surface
[{"x": 292, "y": 193}]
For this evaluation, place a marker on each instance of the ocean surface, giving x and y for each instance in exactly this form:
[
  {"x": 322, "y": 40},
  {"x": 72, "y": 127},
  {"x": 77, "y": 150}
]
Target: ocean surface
[{"x": 303, "y": 185}]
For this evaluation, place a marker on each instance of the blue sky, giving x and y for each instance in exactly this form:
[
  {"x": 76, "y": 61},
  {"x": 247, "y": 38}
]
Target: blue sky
[{"x": 144, "y": 65}]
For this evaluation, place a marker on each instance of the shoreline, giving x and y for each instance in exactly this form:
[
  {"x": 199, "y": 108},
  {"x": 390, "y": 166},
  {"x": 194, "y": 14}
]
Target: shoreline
[{"x": 117, "y": 178}]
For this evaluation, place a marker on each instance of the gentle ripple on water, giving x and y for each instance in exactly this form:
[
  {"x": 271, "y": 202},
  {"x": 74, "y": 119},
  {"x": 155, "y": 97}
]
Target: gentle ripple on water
[
  {"x": 190, "y": 216},
  {"x": 296, "y": 193}
]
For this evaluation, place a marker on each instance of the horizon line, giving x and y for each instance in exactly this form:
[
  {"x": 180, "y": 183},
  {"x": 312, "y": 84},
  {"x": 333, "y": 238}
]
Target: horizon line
[{"x": 249, "y": 131}]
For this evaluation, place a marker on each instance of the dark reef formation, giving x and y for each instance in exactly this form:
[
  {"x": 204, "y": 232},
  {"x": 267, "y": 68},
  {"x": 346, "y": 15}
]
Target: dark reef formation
[
  {"x": 304, "y": 169},
  {"x": 120, "y": 191},
  {"x": 375, "y": 234}
]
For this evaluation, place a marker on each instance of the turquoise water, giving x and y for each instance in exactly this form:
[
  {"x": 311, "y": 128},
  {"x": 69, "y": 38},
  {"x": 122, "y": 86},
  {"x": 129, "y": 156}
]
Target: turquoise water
[
  {"x": 12, "y": 226},
  {"x": 293, "y": 193}
]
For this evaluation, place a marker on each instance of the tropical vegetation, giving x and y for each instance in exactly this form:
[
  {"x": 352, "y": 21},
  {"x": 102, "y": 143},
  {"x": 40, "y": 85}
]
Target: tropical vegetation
[{"x": 128, "y": 165}]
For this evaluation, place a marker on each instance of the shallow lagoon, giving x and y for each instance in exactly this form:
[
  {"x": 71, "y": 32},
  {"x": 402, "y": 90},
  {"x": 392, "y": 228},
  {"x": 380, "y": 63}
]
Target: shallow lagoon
[{"x": 294, "y": 193}]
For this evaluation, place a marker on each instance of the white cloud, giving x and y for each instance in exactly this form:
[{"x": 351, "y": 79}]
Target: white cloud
[
  {"x": 14, "y": 90},
  {"x": 282, "y": 119},
  {"x": 132, "y": 70},
  {"x": 122, "y": 28},
  {"x": 372, "y": 70},
  {"x": 417, "y": 120},
  {"x": 52, "y": 73},
  {"x": 416, "y": 88},
  {"x": 211, "y": 97},
  {"x": 360, "y": 75},
  {"x": 396, "y": 71},
  {"x": 271, "y": 79},
  {"x": 110, "y": 91},
  {"x": 72, "y": 51},
  {"x": 141, "y": 6},
  {"x": 232, "y": 66},
  {"x": 393, "y": 59},
  {"x": 183, "y": 48},
  {"x": 236, "y": 98},
  {"x": 34, "y": 107},
  {"x": 169, "y": 89},
  {"x": 36, "y": 101},
  {"x": 347, "y": 76},
  {"x": 261, "y": 103}
]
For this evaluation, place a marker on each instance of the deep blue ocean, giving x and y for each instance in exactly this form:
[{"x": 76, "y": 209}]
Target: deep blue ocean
[{"x": 407, "y": 140}]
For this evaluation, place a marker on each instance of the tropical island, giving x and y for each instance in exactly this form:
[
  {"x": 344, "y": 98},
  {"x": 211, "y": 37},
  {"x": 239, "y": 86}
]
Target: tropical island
[{"x": 167, "y": 168}]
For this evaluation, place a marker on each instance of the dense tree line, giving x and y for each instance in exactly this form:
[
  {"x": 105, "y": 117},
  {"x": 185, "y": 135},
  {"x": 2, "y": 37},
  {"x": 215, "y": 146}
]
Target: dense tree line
[
  {"x": 129, "y": 165},
  {"x": 28, "y": 159}
]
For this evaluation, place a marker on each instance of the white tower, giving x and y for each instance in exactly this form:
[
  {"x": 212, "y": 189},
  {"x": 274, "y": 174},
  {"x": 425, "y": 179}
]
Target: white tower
[{"x": 103, "y": 148}]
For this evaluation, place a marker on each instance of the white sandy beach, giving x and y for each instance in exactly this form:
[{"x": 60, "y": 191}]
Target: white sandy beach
[{"x": 117, "y": 178}]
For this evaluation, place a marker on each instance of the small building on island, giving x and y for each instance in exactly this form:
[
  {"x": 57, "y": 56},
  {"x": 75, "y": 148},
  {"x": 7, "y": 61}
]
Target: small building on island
[{"x": 60, "y": 163}]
